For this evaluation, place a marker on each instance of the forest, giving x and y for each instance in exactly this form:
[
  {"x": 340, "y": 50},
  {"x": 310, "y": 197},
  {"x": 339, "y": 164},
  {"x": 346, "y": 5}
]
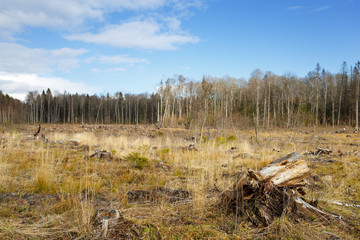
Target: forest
[{"x": 265, "y": 100}]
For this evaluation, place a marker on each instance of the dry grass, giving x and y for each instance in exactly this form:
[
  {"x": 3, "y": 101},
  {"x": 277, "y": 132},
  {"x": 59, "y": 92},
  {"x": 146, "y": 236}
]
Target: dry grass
[{"x": 81, "y": 185}]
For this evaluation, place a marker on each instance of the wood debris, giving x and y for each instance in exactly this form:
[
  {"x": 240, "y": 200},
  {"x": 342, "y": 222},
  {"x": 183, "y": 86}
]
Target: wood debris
[
  {"x": 105, "y": 155},
  {"x": 112, "y": 225},
  {"x": 319, "y": 151},
  {"x": 163, "y": 165}
]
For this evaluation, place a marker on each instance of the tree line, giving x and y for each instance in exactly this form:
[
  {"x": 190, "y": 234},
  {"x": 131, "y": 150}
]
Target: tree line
[{"x": 263, "y": 100}]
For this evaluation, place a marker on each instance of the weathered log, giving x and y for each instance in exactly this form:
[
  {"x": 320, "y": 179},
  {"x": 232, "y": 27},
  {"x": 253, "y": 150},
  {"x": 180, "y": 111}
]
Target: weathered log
[
  {"x": 290, "y": 157},
  {"x": 285, "y": 171}
]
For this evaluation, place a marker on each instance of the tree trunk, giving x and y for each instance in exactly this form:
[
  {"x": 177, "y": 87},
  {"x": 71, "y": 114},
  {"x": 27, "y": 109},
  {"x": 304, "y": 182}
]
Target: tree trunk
[
  {"x": 333, "y": 113},
  {"x": 268, "y": 119},
  {"x": 317, "y": 105},
  {"x": 357, "y": 79},
  {"x": 338, "y": 120},
  {"x": 257, "y": 102},
  {"x": 325, "y": 101}
]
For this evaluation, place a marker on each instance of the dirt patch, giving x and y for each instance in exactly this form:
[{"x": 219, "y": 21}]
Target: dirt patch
[
  {"x": 157, "y": 194},
  {"x": 28, "y": 200}
]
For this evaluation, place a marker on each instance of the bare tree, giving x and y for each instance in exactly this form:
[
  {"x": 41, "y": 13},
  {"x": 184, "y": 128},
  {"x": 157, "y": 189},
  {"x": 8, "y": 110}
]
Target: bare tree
[
  {"x": 357, "y": 82},
  {"x": 257, "y": 75}
]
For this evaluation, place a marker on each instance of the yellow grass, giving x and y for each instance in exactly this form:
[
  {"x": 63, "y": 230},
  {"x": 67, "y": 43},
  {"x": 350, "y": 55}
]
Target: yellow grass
[{"x": 31, "y": 166}]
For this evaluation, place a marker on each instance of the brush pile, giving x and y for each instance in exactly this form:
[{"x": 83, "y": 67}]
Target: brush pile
[{"x": 272, "y": 192}]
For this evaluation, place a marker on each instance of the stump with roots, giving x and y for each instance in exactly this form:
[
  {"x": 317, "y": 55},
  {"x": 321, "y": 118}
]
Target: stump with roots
[{"x": 272, "y": 192}]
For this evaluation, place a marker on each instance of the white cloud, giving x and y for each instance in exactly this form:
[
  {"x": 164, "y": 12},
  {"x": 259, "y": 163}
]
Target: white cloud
[
  {"x": 185, "y": 68},
  {"x": 136, "y": 34},
  {"x": 67, "y": 14},
  {"x": 16, "y": 58},
  {"x": 293, "y": 8},
  {"x": 19, "y": 84},
  {"x": 73, "y": 16},
  {"x": 321, "y": 9},
  {"x": 118, "y": 69},
  {"x": 123, "y": 59},
  {"x": 95, "y": 70},
  {"x": 68, "y": 52}
]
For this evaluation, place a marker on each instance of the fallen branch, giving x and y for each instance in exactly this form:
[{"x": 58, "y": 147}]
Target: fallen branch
[
  {"x": 333, "y": 236},
  {"x": 38, "y": 131},
  {"x": 344, "y": 204},
  {"x": 316, "y": 210}
]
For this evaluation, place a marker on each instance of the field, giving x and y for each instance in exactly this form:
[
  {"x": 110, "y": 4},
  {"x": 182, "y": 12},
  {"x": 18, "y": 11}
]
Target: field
[{"x": 165, "y": 183}]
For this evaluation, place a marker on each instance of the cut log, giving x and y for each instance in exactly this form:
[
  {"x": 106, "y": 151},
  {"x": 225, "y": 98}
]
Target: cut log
[{"x": 284, "y": 171}]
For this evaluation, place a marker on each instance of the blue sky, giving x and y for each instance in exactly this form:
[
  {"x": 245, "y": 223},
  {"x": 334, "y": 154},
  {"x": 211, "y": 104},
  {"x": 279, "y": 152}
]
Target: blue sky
[{"x": 99, "y": 46}]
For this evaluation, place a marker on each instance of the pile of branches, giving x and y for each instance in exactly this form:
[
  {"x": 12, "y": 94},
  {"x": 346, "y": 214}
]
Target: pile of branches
[{"x": 277, "y": 190}]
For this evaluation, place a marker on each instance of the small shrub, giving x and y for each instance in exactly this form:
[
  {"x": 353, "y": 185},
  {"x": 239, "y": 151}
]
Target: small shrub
[
  {"x": 231, "y": 138},
  {"x": 2, "y": 188},
  {"x": 160, "y": 133},
  {"x": 144, "y": 148},
  {"x": 139, "y": 161},
  {"x": 219, "y": 141},
  {"x": 164, "y": 154},
  {"x": 150, "y": 232}
]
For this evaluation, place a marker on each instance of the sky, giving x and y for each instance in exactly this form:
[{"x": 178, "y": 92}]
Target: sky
[{"x": 100, "y": 46}]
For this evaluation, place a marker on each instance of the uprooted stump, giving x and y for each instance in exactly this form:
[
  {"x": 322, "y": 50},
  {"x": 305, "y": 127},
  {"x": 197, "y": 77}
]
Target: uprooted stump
[{"x": 272, "y": 192}]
